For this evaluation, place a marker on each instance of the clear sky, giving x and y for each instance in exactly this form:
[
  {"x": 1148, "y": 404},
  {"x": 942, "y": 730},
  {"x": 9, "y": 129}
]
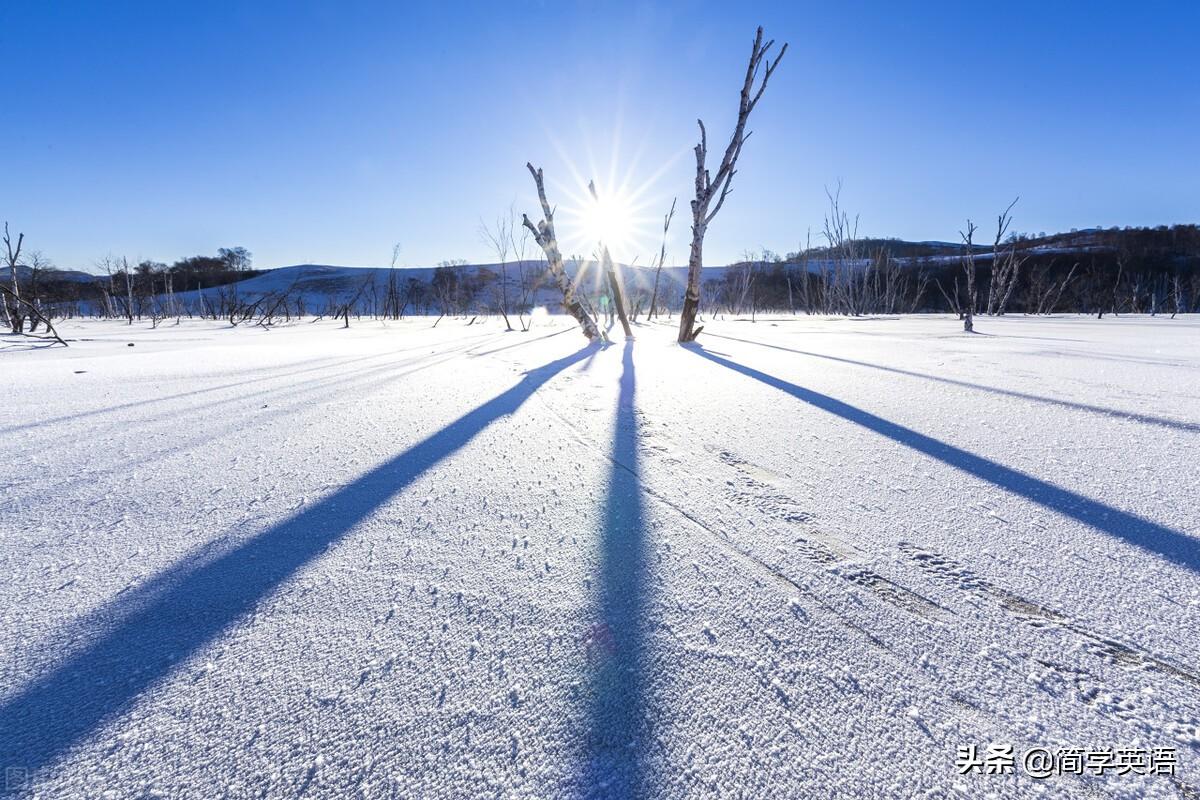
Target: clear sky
[{"x": 326, "y": 132}]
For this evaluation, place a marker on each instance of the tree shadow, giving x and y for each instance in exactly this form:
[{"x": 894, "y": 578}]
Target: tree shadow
[
  {"x": 9, "y": 343},
  {"x": 286, "y": 400},
  {"x": 1172, "y": 545},
  {"x": 320, "y": 365},
  {"x": 333, "y": 381},
  {"x": 616, "y": 719},
  {"x": 1148, "y": 419},
  {"x": 146, "y": 632},
  {"x": 522, "y": 344}
]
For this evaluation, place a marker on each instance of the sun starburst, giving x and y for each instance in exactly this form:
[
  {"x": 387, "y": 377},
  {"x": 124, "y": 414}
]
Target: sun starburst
[{"x": 613, "y": 208}]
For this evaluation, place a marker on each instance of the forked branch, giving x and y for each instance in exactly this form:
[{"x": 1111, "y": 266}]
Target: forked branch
[{"x": 709, "y": 187}]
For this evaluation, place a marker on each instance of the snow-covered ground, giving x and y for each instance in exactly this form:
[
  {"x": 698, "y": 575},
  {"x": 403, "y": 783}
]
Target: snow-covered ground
[{"x": 811, "y": 558}]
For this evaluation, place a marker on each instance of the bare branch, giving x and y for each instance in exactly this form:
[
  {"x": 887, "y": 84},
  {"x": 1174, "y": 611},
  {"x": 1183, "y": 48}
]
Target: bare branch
[{"x": 710, "y": 186}]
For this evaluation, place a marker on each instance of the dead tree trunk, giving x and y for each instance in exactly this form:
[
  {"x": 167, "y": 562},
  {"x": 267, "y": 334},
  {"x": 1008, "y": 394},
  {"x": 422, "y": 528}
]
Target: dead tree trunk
[
  {"x": 500, "y": 241},
  {"x": 951, "y": 300},
  {"x": 36, "y": 315},
  {"x": 544, "y": 235},
  {"x": 614, "y": 286},
  {"x": 128, "y": 290},
  {"x": 1048, "y": 304},
  {"x": 1117, "y": 284},
  {"x": 1004, "y": 266},
  {"x": 1014, "y": 273},
  {"x": 969, "y": 268},
  {"x": 16, "y": 318},
  {"x": 662, "y": 256},
  {"x": 610, "y": 271},
  {"x": 709, "y": 188}
]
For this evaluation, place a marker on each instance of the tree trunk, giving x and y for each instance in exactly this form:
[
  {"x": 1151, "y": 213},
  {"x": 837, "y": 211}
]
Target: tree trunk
[
  {"x": 652, "y": 313},
  {"x": 710, "y": 188},
  {"x": 504, "y": 295},
  {"x": 544, "y": 235},
  {"x": 691, "y": 296},
  {"x": 969, "y": 268},
  {"x": 1012, "y": 281},
  {"x": 614, "y": 285},
  {"x": 15, "y": 317},
  {"x": 662, "y": 257}
]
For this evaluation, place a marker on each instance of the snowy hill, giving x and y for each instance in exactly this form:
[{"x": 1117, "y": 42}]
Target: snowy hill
[
  {"x": 54, "y": 275},
  {"x": 318, "y": 285}
]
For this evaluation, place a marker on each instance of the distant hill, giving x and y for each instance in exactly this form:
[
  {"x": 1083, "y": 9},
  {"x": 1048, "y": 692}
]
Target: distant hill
[
  {"x": 1176, "y": 240},
  {"x": 319, "y": 285},
  {"x": 1154, "y": 261},
  {"x": 53, "y": 275}
]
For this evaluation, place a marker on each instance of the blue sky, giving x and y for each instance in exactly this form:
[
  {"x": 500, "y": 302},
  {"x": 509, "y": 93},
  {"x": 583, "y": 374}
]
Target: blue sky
[{"x": 323, "y": 132}]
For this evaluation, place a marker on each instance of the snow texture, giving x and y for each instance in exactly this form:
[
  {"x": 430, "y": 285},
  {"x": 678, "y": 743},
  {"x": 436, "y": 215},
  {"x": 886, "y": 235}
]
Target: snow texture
[{"x": 808, "y": 558}]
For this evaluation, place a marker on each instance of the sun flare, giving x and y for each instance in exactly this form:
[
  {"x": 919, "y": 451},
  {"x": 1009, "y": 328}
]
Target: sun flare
[
  {"x": 612, "y": 203},
  {"x": 609, "y": 221},
  {"x": 610, "y": 217}
]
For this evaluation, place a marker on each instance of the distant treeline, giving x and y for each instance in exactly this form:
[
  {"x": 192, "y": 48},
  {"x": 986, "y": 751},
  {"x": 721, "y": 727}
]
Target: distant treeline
[
  {"x": 1139, "y": 270},
  {"x": 128, "y": 289}
]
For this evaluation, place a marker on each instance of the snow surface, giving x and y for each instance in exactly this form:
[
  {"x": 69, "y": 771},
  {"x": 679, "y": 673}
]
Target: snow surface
[{"x": 809, "y": 558}]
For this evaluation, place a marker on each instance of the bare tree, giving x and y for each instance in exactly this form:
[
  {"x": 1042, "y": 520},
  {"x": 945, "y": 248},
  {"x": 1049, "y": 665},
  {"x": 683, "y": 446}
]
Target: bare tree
[
  {"x": 546, "y": 238},
  {"x": 843, "y": 283},
  {"x": 709, "y": 188},
  {"x": 114, "y": 304},
  {"x": 17, "y": 307},
  {"x": 922, "y": 283},
  {"x": 500, "y": 240},
  {"x": 36, "y": 265},
  {"x": 1005, "y": 266},
  {"x": 952, "y": 299},
  {"x": 393, "y": 307},
  {"x": 969, "y": 268},
  {"x": 21, "y": 306},
  {"x": 16, "y": 317},
  {"x": 1049, "y": 298},
  {"x": 1116, "y": 299},
  {"x": 128, "y": 273},
  {"x": 528, "y": 280},
  {"x": 444, "y": 285},
  {"x": 351, "y": 304},
  {"x": 662, "y": 257},
  {"x": 806, "y": 298},
  {"x": 610, "y": 272},
  {"x": 740, "y": 278}
]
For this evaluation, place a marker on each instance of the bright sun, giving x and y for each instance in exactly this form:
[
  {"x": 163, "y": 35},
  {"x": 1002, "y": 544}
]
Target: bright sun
[
  {"x": 619, "y": 206},
  {"x": 609, "y": 221},
  {"x": 611, "y": 218}
]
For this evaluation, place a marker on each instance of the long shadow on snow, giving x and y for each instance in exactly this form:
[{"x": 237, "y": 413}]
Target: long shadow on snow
[
  {"x": 324, "y": 365},
  {"x": 168, "y": 619},
  {"x": 311, "y": 365},
  {"x": 1148, "y": 419},
  {"x": 519, "y": 344},
  {"x": 613, "y": 766},
  {"x": 299, "y": 397},
  {"x": 1150, "y": 536}
]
